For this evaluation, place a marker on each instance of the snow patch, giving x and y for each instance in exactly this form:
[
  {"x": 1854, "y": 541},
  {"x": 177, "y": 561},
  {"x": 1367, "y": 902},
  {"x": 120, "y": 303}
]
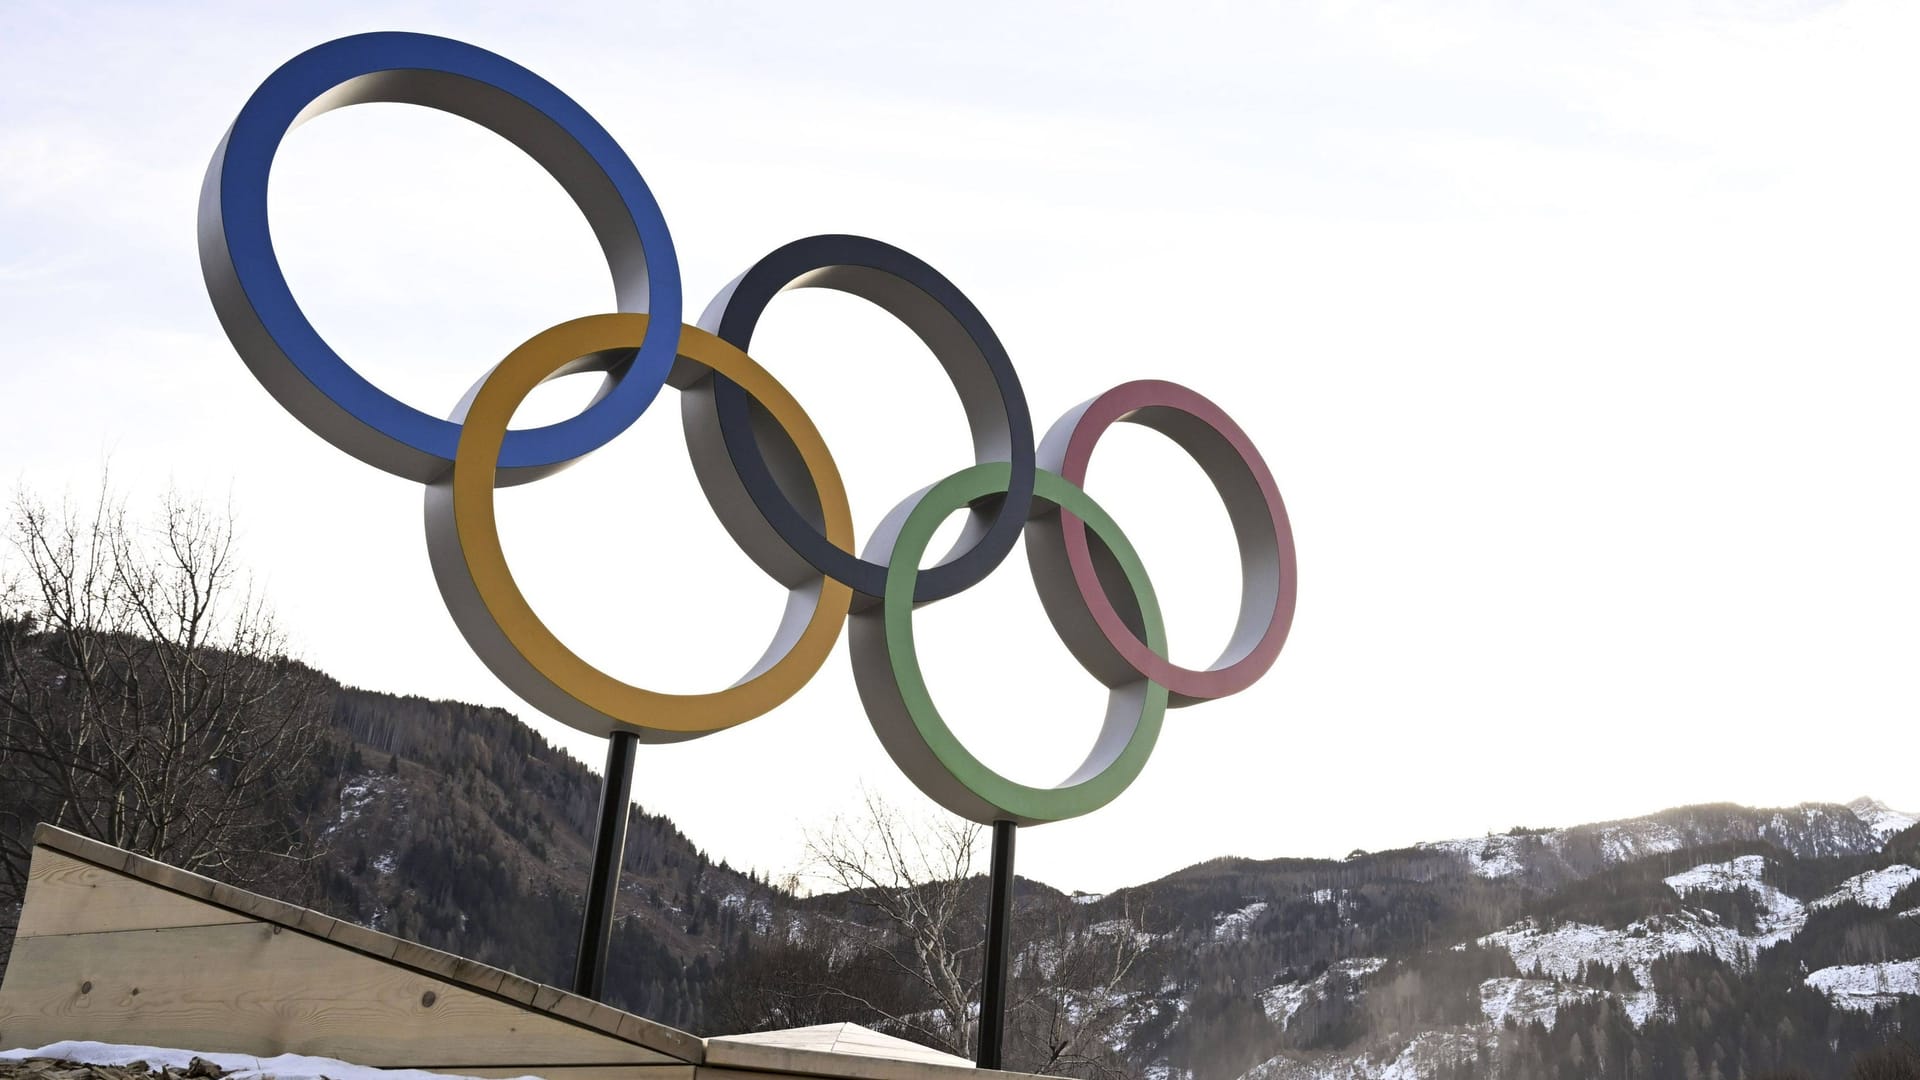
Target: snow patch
[
  {"x": 240, "y": 1066},
  {"x": 1634, "y": 840},
  {"x": 1745, "y": 872},
  {"x": 354, "y": 797},
  {"x": 1233, "y": 925},
  {"x": 1866, "y": 987},
  {"x": 1527, "y": 1000},
  {"x": 1489, "y": 856},
  {"x": 1780, "y": 917},
  {"x": 1565, "y": 950},
  {"x": 1088, "y": 897},
  {"x": 1882, "y": 819},
  {"x": 1425, "y": 1056},
  {"x": 756, "y": 913},
  {"x": 1874, "y": 889},
  {"x": 1122, "y": 928},
  {"x": 1281, "y": 1002}
]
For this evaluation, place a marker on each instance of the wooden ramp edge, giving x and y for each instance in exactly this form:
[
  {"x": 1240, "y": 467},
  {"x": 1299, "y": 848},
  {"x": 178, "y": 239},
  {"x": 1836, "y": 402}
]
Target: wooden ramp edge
[{"x": 114, "y": 947}]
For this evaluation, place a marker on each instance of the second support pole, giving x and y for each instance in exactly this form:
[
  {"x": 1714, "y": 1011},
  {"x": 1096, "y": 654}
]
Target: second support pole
[{"x": 993, "y": 988}]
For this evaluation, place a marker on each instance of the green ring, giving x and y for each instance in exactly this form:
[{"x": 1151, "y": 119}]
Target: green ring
[{"x": 1079, "y": 794}]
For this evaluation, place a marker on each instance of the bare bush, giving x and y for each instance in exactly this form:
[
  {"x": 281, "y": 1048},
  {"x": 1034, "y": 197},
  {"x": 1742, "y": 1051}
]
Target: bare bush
[{"x": 146, "y": 699}]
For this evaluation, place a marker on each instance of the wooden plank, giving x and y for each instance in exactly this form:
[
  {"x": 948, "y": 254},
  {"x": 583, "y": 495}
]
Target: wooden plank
[
  {"x": 258, "y": 988},
  {"x": 168, "y": 887},
  {"x": 667, "y": 1040},
  {"x": 74, "y": 897},
  {"x": 69, "y": 843}
]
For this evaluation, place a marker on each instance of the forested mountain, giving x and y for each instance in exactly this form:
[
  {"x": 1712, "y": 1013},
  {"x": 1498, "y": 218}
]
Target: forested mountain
[{"x": 1707, "y": 941}]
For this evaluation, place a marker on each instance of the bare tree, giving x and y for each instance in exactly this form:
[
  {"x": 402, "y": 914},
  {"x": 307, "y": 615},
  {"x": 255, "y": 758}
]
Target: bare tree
[
  {"x": 146, "y": 698},
  {"x": 1071, "y": 1005},
  {"x": 919, "y": 906},
  {"x": 915, "y": 877}
]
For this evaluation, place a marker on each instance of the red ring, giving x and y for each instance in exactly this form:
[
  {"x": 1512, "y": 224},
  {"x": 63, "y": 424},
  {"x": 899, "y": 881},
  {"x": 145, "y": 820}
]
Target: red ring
[{"x": 1217, "y": 444}]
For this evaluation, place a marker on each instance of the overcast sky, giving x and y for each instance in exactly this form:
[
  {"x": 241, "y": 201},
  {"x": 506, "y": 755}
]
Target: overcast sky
[{"x": 1580, "y": 338}]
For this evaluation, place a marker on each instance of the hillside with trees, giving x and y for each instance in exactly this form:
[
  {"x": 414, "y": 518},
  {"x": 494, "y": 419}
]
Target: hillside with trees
[{"x": 145, "y": 700}]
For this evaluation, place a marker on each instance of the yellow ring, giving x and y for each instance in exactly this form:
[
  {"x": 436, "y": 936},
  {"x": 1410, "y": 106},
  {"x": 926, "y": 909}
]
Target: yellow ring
[{"x": 537, "y": 664}]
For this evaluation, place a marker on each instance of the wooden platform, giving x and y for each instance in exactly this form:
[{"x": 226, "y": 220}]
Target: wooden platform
[{"x": 113, "y": 947}]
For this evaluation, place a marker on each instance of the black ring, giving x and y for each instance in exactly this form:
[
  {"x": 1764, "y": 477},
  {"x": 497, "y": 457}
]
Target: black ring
[{"x": 958, "y": 335}]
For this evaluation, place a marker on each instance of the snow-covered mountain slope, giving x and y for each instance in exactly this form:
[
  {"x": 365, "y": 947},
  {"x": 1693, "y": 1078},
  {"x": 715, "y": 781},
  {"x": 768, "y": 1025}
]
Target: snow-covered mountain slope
[
  {"x": 1423, "y": 1056},
  {"x": 1565, "y": 950},
  {"x": 1487, "y": 856},
  {"x": 1232, "y": 925},
  {"x": 1867, "y": 987},
  {"x": 1881, "y": 818},
  {"x": 1281, "y": 1002},
  {"x": 1874, "y": 889}
]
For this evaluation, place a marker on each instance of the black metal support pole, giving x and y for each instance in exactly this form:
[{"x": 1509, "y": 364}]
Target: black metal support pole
[
  {"x": 993, "y": 988},
  {"x": 609, "y": 847}
]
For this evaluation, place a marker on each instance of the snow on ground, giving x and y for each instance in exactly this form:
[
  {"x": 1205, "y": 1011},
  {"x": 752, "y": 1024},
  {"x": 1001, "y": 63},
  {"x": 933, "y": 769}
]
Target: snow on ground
[
  {"x": 241, "y": 1066},
  {"x": 1874, "y": 889},
  {"x": 1632, "y": 840},
  {"x": 1281, "y": 1002},
  {"x": 1123, "y": 927},
  {"x": 1233, "y": 925},
  {"x": 1426, "y": 1055},
  {"x": 354, "y": 797},
  {"x": 1505, "y": 856},
  {"x": 756, "y": 913},
  {"x": 1745, "y": 872},
  {"x": 1910, "y": 914},
  {"x": 1866, "y": 987},
  {"x": 1128, "y": 1011},
  {"x": 384, "y": 863},
  {"x": 1625, "y": 841},
  {"x": 1780, "y": 916},
  {"x": 1882, "y": 819},
  {"x": 1565, "y": 950},
  {"x": 1527, "y": 1000},
  {"x": 1489, "y": 856},
  {"x": 1088, "y": 897}
]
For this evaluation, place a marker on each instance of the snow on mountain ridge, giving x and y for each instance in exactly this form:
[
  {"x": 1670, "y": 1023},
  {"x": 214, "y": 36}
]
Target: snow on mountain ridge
[
  {"x": 1784, "y": 916},
  {"x": 1233, "y": 925},
  {"x": 1490, "y": 856},
  {"x": 1528, "y": 1000},
  {"x": 1282, "y": 1001},
  {"x": 1873, "y": 889},
  {"x": 1881, "y": 818},
  {"x": 1810, "y": 830},
  {"x": 1423, "y": 1056},
  {"x": 1866, "y": 987}
]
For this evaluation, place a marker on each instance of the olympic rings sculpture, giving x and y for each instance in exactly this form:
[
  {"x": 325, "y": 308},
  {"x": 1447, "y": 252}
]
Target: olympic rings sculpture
[{"x": 763, "y": 467}]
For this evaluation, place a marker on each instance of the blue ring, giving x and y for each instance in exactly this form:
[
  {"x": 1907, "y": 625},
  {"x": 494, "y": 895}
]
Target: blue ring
[{"x": 288, "y": 354}]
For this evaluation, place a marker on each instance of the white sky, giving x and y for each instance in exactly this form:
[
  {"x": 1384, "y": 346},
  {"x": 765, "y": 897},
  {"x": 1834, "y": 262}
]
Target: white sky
[{"x": 1582, "y": 343}]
